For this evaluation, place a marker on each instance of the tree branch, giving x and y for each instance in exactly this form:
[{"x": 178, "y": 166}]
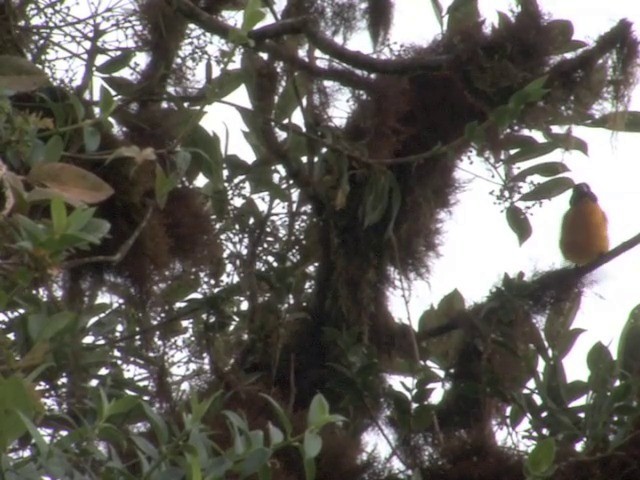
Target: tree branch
[
  {"x": 264, "y": 41},
  {"x": 607, "y": 257},
  {"x": 306, "y": 26},
  {"x": 542, "y": 285}
]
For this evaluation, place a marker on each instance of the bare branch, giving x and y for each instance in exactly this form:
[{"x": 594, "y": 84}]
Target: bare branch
[
  {"x": 306, "y": 26},
  {"x": 264, "y": 36}
]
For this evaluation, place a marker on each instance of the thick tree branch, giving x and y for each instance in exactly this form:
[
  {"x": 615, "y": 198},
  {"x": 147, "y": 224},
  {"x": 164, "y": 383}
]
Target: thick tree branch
[
  {"x": 281, "y": 53},
  {"x": 306, "y": 26},
  {"x": 264, "y": 41}
]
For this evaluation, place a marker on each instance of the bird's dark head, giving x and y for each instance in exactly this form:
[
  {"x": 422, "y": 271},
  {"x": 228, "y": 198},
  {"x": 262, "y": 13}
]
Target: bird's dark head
[{"x": 582, "y": 191}]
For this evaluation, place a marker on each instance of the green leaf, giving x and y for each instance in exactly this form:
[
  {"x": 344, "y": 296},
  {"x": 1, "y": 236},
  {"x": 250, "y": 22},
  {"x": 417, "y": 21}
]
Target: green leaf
[
  {"x": 438, "y": 12},
  {"x": 572, "y": 46},
  {"x": 260, "y": 178},
  {"x": 200, "y": 408},
  {"x": 504, "y": 20},
  {"x": 474, "y": 133},
  {"x": 236, "y": 420},
  {"x": 282, "y": 416},
  {"x": 121, "y": 85},
  {"x": 96, "y": 229},
  {"x": 115, "y": 64},
  {"x": 163, "y": 185},
  {"x": 111, "y": 434},
  {"x": 253, "y": 14},
  {"x": 41, "y": 443},
  {"x": 557, "y": 326},
  {"x": 530, "y": 152},
  {"x": 18, "y": 74},
  {"x": 53, "y": 149},
  {"x": 179, "y": 289},
  {"x": 309, "y": 468},
  {"x": 601, "y": 367},
  {"x": 31, "y": 230},
  {"x": 517, "y": 141},
  {"x": 376, "y": 197},
  {"x": 157, "y": 423},
  {"x": 555, "y": 381},
  {"x": 575, "y": 390},
  {"x": 91, "y": 138},
  {"x": 628, "y": 360},
  {"x": 224, "y": 84},
  {"x": 195, "y": 468},
  {"x": 396, "y": 201},
  {"x": 312, "y": 444},
  {"x": 122, "y": 405},
  {"x": 516, "y": 416},
  {"x": 15, "y": 400},
  {"x": 236, "y": 165},
  {"x": 503, "y": 115},
  {"x": 422, "y": 417},
  {"x": 219, "y": 466},
  {"x": 540, "y": 460},
  {"x": 78, "y": 108},
  {"x": 531, "y": 93},
  {"x": 265, "y": 472},
  {"x": 205, "y": 153},
  {"x": 297, "y": 143},
  {"x": 545, "y": 169},
  {"x": 79, "y": 218},
  {"x": 107, "y": 104},
  {"x": 43, "y": 327},
  {"x": 58, "y": 216},
  {"x": 568, "y": 141},
  {"x": 254, "y": 461},
  {"x": 238, "y": 37},
  {"x": 566, "y": 342},
  {"x": 452, "y": 303},
  {"x": 291, "y": 97},
  {"x": 547, "y": 190},
  {"x": 145, "y": 446},
  {"x": 275, "y": 434},
  {"x": 318, "y": 411},
  {"x": 519, "y": 223}
]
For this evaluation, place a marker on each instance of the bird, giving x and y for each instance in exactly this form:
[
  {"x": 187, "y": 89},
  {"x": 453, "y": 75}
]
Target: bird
[{"x": 584, "y": 236}]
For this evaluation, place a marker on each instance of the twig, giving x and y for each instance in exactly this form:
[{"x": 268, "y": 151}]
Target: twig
[
  {"x": 92, "y": 55},
  {"x": 393, "y": 446}
]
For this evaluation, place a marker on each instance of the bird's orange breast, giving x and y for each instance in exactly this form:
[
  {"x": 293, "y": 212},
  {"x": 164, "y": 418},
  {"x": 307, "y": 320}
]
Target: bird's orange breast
[{"x": 584, "y": 234}]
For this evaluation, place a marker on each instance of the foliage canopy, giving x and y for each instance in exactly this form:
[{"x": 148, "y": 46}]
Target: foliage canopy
[{"x": 172, "y": 310}]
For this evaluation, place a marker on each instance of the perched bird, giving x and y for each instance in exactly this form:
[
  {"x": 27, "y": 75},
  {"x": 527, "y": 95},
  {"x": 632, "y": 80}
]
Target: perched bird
[{"x": 584, "y": 234}]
